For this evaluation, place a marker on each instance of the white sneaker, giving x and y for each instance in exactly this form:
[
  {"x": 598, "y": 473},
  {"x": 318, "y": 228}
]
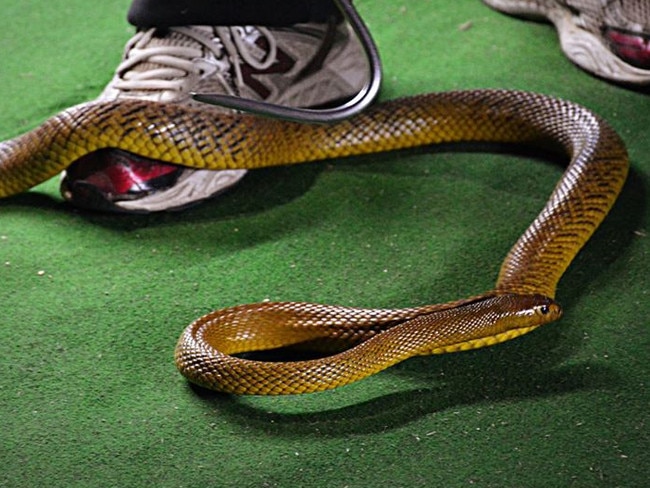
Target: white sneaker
[
  {"x": 609, "y": 38},
  {"x": 307, "y": 65}
]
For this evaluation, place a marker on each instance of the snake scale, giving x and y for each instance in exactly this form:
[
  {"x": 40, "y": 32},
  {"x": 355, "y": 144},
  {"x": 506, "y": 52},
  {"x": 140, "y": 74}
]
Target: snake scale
[{"x": 360, "y": 341}]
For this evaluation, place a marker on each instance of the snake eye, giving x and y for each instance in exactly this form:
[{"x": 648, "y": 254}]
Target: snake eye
[{"x": 544, "y": 309}]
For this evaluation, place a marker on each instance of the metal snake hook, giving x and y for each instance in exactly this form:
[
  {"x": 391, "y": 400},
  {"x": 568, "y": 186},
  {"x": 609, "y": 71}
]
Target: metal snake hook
[{"x": 348, "y": 109}]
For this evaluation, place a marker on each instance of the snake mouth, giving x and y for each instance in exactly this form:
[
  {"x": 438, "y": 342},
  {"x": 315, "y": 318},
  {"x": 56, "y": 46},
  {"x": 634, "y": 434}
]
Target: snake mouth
[
  {"x": 631, "y": 47},
  {"x": 102, "y": 178}
]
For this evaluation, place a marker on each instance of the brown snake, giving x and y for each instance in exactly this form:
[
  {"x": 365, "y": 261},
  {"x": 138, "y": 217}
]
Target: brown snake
[{"x": 365, "y": 341}]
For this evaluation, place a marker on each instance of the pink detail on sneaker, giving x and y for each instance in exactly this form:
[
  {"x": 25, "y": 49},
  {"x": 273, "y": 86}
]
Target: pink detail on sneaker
[{"x": 632, "y": 48}]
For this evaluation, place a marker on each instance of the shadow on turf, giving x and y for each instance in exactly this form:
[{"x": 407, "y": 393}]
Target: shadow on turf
[
  {"x": 505, "y": 374},
  {"x": 259, "y": 191},
  {"x": 267, "y": 188},
  {"x": 531, "y": 367}
]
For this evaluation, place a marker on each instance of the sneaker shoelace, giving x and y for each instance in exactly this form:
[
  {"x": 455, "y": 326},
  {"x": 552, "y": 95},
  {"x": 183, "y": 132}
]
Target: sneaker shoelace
[{"x": 191, "y": 52}]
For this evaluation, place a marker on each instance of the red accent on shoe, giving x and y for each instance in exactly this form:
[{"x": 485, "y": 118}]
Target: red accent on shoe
[
  {"x": 632, "y": 48},
  {"x": 120, "y": 175}
]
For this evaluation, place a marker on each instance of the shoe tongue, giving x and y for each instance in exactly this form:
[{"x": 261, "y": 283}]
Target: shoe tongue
[
  {"x": 167, "y": 39},
  {"x": 206, "y": 29}
]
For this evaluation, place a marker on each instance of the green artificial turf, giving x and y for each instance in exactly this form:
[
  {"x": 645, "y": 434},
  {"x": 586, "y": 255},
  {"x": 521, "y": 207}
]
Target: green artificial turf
[{"x": 92, "y": 304}]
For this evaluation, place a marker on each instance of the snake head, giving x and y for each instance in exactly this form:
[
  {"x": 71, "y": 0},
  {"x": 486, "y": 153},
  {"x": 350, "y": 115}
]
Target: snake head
[
  {"x": 503, "y": 317},
  {"x": 538, "y": 308}
]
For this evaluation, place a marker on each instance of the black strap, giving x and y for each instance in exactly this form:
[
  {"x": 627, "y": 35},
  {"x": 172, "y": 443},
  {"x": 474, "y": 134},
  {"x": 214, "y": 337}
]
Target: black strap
[{"x": 168, "y": 13}]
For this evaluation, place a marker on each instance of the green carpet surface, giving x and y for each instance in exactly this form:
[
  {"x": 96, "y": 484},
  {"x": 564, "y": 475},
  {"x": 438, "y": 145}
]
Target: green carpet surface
[{"x": 92, "y": 304}]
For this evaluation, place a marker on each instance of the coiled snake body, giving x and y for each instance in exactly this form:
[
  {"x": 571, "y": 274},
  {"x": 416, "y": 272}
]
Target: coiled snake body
[{"x": 365, "y": 340}]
